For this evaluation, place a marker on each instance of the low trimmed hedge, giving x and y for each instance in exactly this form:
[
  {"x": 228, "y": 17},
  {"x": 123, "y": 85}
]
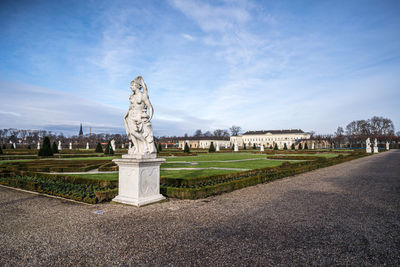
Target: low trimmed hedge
[
  {"x": 195, "y": 188},
  {"x": 89, "y": 193}
]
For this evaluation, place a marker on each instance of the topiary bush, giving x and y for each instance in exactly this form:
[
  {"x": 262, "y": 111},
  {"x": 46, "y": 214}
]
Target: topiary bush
[
  {"x": 211, "y": 148},
  {"x": 306, "y": 146},
  {"x": 99, "y": 148},
  {"x": 54, "y": 148},
  {"x": 300, "y": 146},
  {"x": 244, "y": 146},
  {"x": 45, "y": 150},
  {"x": 284, "y": 146},
  {"x": 292, "y": 147},
  {"x": 1, "y": 151},
  {"x": 186, "y": 149},
  {"x": 276, "y": 147},
  {"x": 109, "y": 150},
  {"x": 254, "y": 146},
  {"x": 159, "y": 147}
]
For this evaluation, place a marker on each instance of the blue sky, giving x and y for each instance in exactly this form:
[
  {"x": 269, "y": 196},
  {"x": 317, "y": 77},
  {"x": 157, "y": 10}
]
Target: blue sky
[{"x": 314, "y": 65}]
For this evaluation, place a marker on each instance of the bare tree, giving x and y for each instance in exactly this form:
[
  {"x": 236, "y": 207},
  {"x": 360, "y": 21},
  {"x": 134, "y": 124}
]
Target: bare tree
[
  {"x": 198, "y": 133},
  {"x": 235, "y": 130}
]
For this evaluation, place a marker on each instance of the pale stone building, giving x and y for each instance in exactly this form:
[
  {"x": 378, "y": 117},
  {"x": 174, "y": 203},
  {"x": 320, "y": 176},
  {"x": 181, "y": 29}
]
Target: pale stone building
[
  {"x": 204, "y": 142},
  {"x": 270, "y": 138}
]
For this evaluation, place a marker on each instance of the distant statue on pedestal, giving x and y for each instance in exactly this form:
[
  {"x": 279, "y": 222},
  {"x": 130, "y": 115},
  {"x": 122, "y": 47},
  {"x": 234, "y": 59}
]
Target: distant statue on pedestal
[
  {"x": 376, "y": 146},
  {"x": 87, "y": 145},
  {"x": 113, "y": 144},
  {"x": 70, "y": 145},
  {"x": 217, "y": 148},
  {"x": 38, "y": 145},
  {"x": 368, "y": 145},
  {"x": 236, "y": 148},
  {"x": 387, "y": 145},
  {"x": 59, "y": 145}
]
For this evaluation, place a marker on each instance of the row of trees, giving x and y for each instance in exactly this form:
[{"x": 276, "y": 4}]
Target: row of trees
[{"x": 234, "y": 131}]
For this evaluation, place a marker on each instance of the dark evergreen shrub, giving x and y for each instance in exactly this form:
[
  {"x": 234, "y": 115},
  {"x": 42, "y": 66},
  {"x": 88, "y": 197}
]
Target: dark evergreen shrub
[
  {"x": 270, "y": 147},
  {"x": 159, "y": 147},
  {"x": 276, "y": 147},
  {"x": 254, "y": 146},
  {"x": 4, "y": 146},
  {"x": 306, "y": 146},
  {"x": 1, "y": 151},
  {"x": 284, "y": 146},
  {"x": 45, "y": 150},
  {"x": 109, "y": 150},
  {"x": 186, "y": 149},
  {"x": 99, "y": 148},
  {"x": 292, "y": 147},
  {"x": 300, "y": 146},
  {"x": 244, "y": 146},
  {"x": 211, "y": 148},
  {"x": 54, "y": 148},
  {"x": 29, "y": 147}
]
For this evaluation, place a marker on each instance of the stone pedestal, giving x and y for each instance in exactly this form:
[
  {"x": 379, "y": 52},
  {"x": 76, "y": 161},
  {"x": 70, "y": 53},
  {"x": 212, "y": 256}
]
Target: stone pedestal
[
  {"x": 368, "y": 149},
  {"x": 375, "y": 149},
  {"x": 138, "y": 181}
]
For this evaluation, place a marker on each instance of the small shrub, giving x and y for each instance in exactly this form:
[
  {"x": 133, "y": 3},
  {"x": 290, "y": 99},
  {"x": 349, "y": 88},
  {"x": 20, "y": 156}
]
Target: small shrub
[
  {"x": 292, "y": 147},
  {"x": 159, "y": 147},
  {"x": 244, "y": 146},
  {"x": 306, "y": 146},
  {"x": 254, "y": 146},
  {"x": 54, "y": 148},
  {"x": 270, "y": 147},
  {"x": 99, "y": 148},
  {"x": 300, "y": 146},
  {"x": 29, "y": 147},
  {"x": 109, "y": 150},
  {"x": 45, "y": 150},
  {"x": 276, "y": 147},
  {"x": 186, "y": 149},
  {"x": 285, "y": 146},
  {"x": 211, "y": 148},
  {"x": 1, "y": 151}
]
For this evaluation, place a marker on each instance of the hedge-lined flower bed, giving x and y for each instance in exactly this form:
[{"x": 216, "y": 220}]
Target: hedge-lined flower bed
[
  {"x": 195, "y": 188},
  {"x": 80, "y": 189}
]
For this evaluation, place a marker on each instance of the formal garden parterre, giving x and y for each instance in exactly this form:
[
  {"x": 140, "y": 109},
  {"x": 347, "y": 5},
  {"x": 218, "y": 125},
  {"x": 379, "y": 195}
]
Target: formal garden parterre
[{"x": 92, "y": 177}]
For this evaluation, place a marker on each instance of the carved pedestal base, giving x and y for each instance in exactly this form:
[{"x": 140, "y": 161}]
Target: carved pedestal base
[
  {"x": 375, "y": 149},
  {"x": 138, "y": 181},
  {"x": 368, "y": 150}
]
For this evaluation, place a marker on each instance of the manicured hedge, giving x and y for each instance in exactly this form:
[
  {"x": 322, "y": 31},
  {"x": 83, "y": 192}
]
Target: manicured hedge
[{"x": 195, "y": 188}]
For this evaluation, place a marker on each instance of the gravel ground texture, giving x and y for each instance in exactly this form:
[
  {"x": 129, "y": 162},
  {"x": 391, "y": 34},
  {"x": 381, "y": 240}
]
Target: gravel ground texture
[{"x": 347, "y": 214}]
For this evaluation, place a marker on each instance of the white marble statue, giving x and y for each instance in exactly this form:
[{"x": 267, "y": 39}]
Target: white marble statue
[
  {"x": 38, "y": 145},
  {"x": 387, "y": 145},
  {"x": 139, "y": 170},
  {"x": 262, "y": 147},
  {"x": 113, "y": 144},
  {"x": 375, "y": 146},
  {"x": 137, "y": 121},
  {"x": 87, "y": 145},
  {"x": 312, "y": 146},
  {"x": 217, "y": 148},
  {"x": 70, "y": 145},
  {"x": 166, "y": 145},
  {"x": 183, "y": 145},
  {"x": 123, "y": 146},
  {"x": 236, "y": 148},
  {"x": 14, "y": 146},
  {"x": 59, "y": 145},
  {"x": 368, "y": 145}
]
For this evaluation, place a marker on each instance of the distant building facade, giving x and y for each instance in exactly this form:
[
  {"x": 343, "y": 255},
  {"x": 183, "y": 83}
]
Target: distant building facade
[
  {"x": 204, "y": 142},
  {"x": 271, "y": 137}
]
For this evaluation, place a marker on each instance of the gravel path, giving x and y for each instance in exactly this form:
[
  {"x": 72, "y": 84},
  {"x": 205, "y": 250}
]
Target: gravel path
[{"x": 346, "y": 214}]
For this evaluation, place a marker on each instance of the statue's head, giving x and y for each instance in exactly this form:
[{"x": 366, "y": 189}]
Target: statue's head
[{"x": 137, "y": 83}]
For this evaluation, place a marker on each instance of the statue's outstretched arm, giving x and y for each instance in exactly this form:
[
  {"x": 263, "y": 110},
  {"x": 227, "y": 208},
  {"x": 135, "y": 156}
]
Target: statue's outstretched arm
[{"x": 126, "y": 123}]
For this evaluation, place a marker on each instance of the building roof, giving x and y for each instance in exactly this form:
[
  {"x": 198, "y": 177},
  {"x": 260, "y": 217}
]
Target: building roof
[{"x": 291, "y": 131}]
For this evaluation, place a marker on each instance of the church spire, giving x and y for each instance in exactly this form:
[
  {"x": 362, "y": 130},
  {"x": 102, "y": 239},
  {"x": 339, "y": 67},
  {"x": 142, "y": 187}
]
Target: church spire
[{"x": 80, "y": 131}]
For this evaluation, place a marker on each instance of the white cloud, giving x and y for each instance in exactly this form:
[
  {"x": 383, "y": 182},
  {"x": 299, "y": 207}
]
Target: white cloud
[{"x": 188, "y": 37}]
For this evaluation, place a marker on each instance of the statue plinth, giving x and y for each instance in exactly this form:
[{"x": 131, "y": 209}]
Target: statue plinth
[
  {"x": 139, "y": 179},
  {"x": 376, "y": 149}
]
